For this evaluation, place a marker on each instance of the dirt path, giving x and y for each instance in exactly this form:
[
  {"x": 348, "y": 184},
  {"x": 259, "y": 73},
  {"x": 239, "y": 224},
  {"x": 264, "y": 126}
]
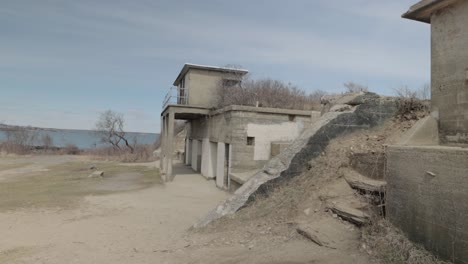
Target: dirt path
[
  {"x": 129, "y": 227},
  {"x": 151, "y": 225}
]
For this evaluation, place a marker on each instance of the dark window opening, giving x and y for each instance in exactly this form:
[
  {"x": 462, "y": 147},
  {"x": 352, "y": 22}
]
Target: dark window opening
[
  {"x": 230, "y": 83},
  {"x": 250, "y": 141}
]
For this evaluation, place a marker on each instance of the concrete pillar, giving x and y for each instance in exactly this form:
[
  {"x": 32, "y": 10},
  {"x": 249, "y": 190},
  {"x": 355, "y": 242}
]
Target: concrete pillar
[
  {"x": 207, "y": 160},
  {"x": 162, "y": 154},
  {"x": 220, "y": 162},
  {"x": 194, "y": 155},
  {"x": 188, "y": 151},
  {"x": 170, "y": 146}
]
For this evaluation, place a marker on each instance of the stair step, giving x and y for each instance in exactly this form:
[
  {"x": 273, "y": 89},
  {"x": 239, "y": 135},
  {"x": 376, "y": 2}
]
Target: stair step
[
  {"x": 350, "y": 214},
  {"x": 358, "y": 181}
]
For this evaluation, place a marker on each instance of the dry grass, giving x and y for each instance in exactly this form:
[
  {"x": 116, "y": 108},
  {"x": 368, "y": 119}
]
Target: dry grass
[
  {"x": 141, "y": 153},
  {"x": 389, "y": 246},
  {"x": 66, "y": 184},
  {"x": 10, "y": 166}
]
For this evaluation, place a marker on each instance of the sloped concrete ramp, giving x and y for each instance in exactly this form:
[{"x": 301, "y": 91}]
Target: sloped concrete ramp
[{"x": 365, "y": 111}]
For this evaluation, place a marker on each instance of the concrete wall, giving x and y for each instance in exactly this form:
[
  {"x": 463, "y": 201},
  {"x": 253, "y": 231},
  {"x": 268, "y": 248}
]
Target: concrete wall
[
  {"x": 427, "y": 197},
  {"x": 265, "y": 134},
  {"x": 203, "y": 87},
  {"x": 233, "y": 127},
  {"x": 450, "y": 71}
]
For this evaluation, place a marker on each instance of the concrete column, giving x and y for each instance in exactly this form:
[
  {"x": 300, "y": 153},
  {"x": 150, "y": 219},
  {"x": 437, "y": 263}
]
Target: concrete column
[
  {"x": 170, "y": 146},
  {"x": 188, "y": 144},
  {"x": 188, "y": 151},
  {"x": 194, "y": 155},
  {"x": 163, "y": 145},
  {"x": 207, "y": 160},
  {"x": 220, "y": 161}
]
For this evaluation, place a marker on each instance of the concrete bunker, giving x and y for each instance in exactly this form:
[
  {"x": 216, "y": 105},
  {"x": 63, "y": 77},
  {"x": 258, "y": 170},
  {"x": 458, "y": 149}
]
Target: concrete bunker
[
  {"x": 427, "y": 172},
  {"x": 228, "y": 144}
]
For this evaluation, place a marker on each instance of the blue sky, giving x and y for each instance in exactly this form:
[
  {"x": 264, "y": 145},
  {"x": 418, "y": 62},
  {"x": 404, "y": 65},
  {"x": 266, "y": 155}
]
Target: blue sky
[{"x": 62, "y": 61}]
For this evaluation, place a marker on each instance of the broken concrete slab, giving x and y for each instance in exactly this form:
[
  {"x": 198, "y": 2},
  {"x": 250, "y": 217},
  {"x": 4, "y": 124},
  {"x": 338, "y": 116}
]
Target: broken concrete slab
[
  {"x": 350, "y": 214},
  {"x": 292, "y": 161},
  {"x": 358, "y": 181},
  {"x": 310, "y": 234}
]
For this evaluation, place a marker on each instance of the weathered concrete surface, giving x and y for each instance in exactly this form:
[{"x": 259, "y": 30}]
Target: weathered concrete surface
[
  {"x": 424, "y": 133},
  {"x": 427, "y": 194},
  {"x": 369, "y": 164},
  {"x": 368, "y": 110},
  {"x": 449, "y": 38},
  {"x": 233, "y": 124}
]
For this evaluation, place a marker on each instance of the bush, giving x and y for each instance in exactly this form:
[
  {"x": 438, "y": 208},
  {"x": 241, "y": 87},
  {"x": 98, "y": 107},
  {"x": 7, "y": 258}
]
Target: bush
[
  {"x": 70, "y": 149},
  {"x": 412, "y": 104},
  {"x": 268, "y": 93}
]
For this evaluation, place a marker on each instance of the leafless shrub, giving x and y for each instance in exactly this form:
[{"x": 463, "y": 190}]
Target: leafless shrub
[
  {"x": 410, "y": 104},
  {"x": 19, "y": 140},
  {"x": 141, "y": 153},
  {"x": 70, "y": 149},
  {"x": 47, "y": 141},
  {"x": 267, "y": 93},
  {"x": 352, "y": 87}
]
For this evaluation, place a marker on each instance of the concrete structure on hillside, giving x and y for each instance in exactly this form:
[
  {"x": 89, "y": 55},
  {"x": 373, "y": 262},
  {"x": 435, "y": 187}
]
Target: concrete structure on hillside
[
  {"x": 449, "y": 39},
  {"x": 427, "y": 183},
  {"x": 228, "y": 144}
]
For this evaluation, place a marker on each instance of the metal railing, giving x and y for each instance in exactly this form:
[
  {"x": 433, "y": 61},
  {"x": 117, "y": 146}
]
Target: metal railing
[{"x": 176, "y": 95}]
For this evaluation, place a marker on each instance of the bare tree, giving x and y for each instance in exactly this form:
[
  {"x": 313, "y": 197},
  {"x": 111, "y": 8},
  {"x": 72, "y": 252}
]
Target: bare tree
[
  {"x": 110, "y": 128},
  {"x": 352, "y": 87},
  {"x": 47, "y": 141}
]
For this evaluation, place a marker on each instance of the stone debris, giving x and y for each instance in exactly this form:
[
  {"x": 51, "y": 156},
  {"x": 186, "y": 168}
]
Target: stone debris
[
  {"x": 312, "y": 235},
  {"x": 96, "y": 174},
  {"x": 307, "y": 211}
]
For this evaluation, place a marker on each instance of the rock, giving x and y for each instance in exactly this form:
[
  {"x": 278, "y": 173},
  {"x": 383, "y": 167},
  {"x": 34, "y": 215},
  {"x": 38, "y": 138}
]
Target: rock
[
  {"x": 340, "y": 108},
  {"x": 92, "y": 167},
  {"x": 96, "y": 174},
  {"x": 307, "y": 211}
]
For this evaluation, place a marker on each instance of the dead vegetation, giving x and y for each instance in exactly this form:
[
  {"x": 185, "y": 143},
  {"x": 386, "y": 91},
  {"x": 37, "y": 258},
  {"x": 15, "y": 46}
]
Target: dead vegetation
[
  {"x": 413, "y": 104},
  {"x": 140, "y": 153},
  {"x": 267, "y": 93},
  {"x": 390, "y": 246}
]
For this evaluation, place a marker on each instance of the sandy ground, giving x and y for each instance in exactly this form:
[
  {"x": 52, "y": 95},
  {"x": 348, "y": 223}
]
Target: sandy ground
[
  {"x": 128, "y": 227},
  {"x": 152, "y": 225}
]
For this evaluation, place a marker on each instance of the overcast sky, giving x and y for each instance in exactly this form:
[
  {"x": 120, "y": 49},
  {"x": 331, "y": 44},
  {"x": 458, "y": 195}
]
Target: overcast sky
[{"x": 62, "y": 62}]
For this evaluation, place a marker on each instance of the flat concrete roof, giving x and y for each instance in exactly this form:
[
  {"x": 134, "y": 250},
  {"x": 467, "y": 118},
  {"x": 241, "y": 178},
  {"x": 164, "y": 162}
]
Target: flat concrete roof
[
  {"x": 266, "y": 110},
  {"x": 188, "y": 66},
  {"x": 423, "y": 10}
]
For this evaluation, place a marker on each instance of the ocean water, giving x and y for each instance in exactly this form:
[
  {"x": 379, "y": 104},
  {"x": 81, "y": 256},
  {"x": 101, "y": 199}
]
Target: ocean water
[{"x": 83, "y": 139}]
